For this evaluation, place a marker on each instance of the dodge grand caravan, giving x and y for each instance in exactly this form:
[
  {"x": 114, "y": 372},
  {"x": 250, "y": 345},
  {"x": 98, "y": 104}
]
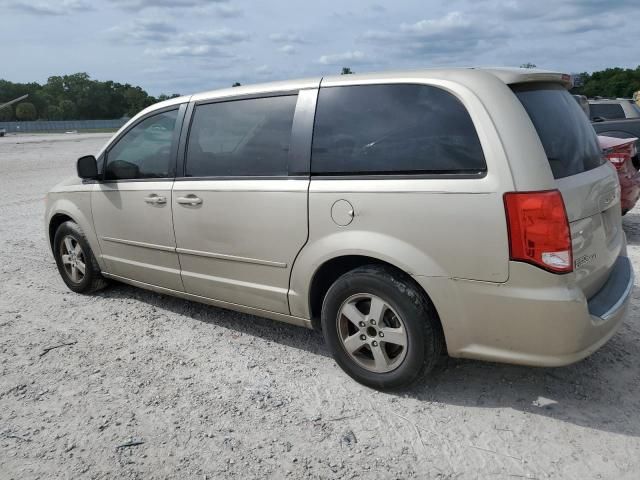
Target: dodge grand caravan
[{"x": 401, "y": 213}]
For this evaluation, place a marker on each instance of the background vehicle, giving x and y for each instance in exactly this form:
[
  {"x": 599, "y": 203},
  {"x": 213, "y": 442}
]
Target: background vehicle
[
  {"x": 2, "y": 132},
  {"x": 627, "y": 128},
  {"x": 612, "y": 109},
  {"x": 622, "y": 128},
  {"x": 622, "y": 153},
  {"x": 396, "y": 211}
]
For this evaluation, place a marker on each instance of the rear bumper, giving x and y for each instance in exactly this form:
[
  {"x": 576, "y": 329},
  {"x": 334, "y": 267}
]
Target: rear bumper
[{"x": 536, "y": 318}]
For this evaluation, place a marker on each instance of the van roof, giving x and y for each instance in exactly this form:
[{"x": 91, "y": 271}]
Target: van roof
[{"x": 463, "y": 75}]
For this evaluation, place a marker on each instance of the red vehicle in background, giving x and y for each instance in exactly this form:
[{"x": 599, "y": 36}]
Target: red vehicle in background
[{"x": 623, "y": 154}]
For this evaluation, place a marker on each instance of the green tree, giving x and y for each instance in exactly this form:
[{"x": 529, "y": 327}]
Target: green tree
[
  {"x": 68, "y": 110},
  {"x": 612, "y": 82},
  {"x": 54, "y": 113},
  {"x": 236, "y": 84},
  {"x": 528, "y": 65},
  {"x": 26, "y": 111},
  {"x": 6, "y": 114},
  {"x": 346, "y": 71}
]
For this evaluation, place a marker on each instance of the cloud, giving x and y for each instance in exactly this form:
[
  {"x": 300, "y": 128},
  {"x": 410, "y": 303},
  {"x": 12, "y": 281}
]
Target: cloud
[
  {"x": 162, "y": 30},
  {"x": 287, "y": 38},
  {"x": 212, "y": 43},
  {"x": 228, "y": 11},
  {"x": 455, "y": 34},
  {"x": 144, "y": 30},
  {"x": 585, "y": 24},
  {"x": 142, "y": 4},
  {"x": 264, "y": 70},
  {"x": 354, "y": 58},
  {"x": 288, "y": 49},
  {"x": 186, "y": 51},
  {"x": 61, "y": 7},
  {"x": 222, "y": 36}
]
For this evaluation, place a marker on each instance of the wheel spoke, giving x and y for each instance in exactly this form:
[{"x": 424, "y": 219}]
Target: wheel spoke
[
  {"x": 78, "y": 249},
  {"x": 396, "y": 336},
  {"x": 80, "y": 266},
  {"x": 353, "y": 314},
  {"x": 68, "y": 244},
  {"x": 74, "y": 273},
  {"x": 66, "y": 259},
  {"x": 353, "y": 343},
  {"x": 380, "y": 357},
  {"x": 378, "y": 307}
]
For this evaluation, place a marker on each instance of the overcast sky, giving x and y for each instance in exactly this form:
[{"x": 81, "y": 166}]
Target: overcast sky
[{"x": 185, "y": 46}]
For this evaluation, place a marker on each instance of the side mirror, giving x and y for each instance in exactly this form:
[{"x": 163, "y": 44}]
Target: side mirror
[{"x": 87, "y": 167}]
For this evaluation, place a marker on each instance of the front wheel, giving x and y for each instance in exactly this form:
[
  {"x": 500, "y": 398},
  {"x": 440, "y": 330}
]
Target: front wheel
[
  {"x": 381, "y": 329},
  {"x": 76, "y": 263}
]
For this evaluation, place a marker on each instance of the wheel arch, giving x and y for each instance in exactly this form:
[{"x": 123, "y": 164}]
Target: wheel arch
[
  {"x": 61, "y": 210},
  {"x": 54, "y": 223},
  {"x": 331, "y": 269}
]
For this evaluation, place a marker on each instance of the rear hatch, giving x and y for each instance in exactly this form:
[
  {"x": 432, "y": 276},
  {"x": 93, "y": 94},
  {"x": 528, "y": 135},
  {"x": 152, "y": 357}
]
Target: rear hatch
[{"x": 588, "y": 183}]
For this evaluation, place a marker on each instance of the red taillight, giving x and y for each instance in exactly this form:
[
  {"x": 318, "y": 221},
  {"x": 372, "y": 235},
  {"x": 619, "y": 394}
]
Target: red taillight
[
  {"x": 618, "y": 159},
  {"x": 620, "y": 154},
  {"x": 539, "y": 230}
]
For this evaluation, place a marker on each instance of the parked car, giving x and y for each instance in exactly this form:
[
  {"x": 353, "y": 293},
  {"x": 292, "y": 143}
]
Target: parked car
[
  {"x": 3, "y": 132},
  {"x": 623, "y": 128},
  {"x": 403, "y": 214},
  {"x": 583, "y": 101},
  {"x": 612, "y": 109},
  {"x": 627, "y": 128},
  {"x": 623, "y": 155}
]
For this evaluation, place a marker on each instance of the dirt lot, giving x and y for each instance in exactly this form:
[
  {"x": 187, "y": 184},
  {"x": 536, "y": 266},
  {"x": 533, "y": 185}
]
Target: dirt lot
[{"x": 217, "y": 394}]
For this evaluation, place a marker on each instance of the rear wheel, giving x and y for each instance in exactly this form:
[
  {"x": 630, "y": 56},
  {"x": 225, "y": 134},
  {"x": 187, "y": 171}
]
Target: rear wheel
[
  {"x": 76, "y": 263},
  {"x": 381, "y": 329}
]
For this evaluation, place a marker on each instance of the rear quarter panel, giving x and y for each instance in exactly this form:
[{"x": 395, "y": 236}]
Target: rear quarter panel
[{"x": 433, "y": 227}]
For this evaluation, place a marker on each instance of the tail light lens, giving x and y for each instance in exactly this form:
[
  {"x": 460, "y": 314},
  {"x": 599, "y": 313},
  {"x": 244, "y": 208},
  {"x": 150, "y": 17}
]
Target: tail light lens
[
  {"x": 539, "y": 230},
  {"x": 621, "y": 154},
  {"x": 618, "y": 159}
]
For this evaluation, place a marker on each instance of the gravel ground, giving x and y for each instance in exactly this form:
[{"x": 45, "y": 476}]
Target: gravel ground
[{"x": 215, "y": 394}]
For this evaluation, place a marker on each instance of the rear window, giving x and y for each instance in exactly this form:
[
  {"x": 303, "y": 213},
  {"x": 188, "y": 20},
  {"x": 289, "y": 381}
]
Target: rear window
[
  {"x": 568, "y": 138},
  {"x": 609, "y": 111}
]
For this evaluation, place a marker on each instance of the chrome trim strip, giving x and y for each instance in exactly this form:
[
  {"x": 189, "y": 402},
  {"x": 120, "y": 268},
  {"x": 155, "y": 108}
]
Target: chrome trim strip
[
  {"x": 232, "y": 258},
  {"x": 615, "y": 308},
  {"x": 139, "y": 244},
  {"x": 198, "y": 253},
  {"x": 281, "y": 317},
  {"x": 142, "y": 265}
]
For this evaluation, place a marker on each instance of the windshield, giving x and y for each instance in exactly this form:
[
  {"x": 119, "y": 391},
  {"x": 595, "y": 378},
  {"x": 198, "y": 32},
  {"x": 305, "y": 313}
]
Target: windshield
[{"x": 567, "y": 136}]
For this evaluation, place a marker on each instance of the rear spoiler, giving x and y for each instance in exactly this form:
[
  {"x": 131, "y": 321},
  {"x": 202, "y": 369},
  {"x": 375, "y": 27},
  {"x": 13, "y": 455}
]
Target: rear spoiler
[{"x": 512, "y": 76}]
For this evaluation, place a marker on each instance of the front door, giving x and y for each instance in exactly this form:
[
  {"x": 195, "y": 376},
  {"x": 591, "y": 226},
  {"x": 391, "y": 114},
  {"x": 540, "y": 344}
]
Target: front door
[
  {"x": 240, "y": 219},
  {"x": 132, "y": 206}
]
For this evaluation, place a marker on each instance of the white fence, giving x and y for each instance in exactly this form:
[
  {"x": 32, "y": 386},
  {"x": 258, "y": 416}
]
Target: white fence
[{"x": 62, "y": 125}]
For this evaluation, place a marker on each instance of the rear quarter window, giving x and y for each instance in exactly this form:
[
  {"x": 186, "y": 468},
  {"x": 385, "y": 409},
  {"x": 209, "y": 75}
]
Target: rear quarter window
[
  {"x": 569, "y": 140},
  {"x": 393, "y": 129},
  {"x": 609, "y": 111}
]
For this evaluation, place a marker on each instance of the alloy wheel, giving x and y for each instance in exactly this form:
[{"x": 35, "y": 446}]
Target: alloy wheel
[{"x": 372, "y": 333}]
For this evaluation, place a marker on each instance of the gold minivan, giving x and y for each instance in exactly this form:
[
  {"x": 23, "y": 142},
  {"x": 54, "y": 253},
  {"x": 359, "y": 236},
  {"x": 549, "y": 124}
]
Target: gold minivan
[{"x": 402, "y": 213}]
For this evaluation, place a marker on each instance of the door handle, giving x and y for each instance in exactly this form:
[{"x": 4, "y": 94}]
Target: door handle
[
  {"x": 189, "y": 200},
  {"x": 155, "y": 199}
]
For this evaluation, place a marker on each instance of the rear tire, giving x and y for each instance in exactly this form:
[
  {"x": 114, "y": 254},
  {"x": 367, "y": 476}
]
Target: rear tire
[
  {"x": 381, "y": 329},
  {"x": 76, "y": 262}
]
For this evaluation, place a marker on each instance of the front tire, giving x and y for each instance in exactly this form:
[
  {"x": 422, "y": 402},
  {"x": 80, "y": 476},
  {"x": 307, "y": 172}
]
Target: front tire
[
  {"x": 76, "y": 263},
  {"x": 381, "y": 329}
]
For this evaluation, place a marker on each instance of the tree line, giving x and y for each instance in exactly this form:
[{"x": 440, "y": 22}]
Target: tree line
[
  {"x": 78, "y": 97},
  {"x": 611, "y": 82},
  {"x": 74, "y": 97}
]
